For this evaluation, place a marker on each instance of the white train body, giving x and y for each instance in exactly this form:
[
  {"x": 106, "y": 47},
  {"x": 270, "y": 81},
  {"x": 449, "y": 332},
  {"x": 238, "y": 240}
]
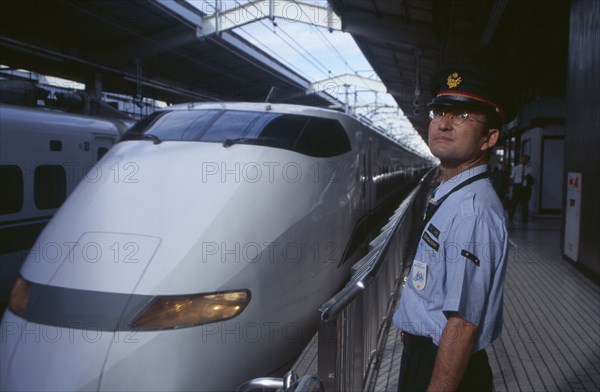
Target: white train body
[
  {"x": 43, "y": 156},
  {"x": 127, "y": 285}
]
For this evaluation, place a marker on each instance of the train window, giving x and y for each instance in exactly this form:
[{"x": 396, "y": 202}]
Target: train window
[
  {"x": 230, "y": 125},
  {"x": 282, "y": 131},
  {"x": 172, "y": 125},
  {"x": 50, "y": 186},
  {"x": 268, "y": 129},
  {"x": 11, "y": 197},
  {"x": 323, "y": 137},
  {"x": 318, "y": 137},
  {"x": 55, "y": 145}
]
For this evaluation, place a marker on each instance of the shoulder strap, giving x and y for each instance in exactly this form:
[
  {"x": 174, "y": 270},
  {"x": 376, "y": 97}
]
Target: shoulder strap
[{"x": 433, "y": 205}]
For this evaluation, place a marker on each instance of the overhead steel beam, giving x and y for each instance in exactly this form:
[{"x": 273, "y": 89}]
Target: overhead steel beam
[
  {"x": 349, "y": 80},
  {"x": 151, "y": 45},
  {"x": 375, "y": 109},
  {"x": 169, "y": 86},
  {"x": 261, "y": 60},
  {"x": 389, "y": 28},
  {"x": 230, "y": 41},
  {"x": 268, "y": 64},
  {"x": 493, "y": 22},
  {"x": 268, "y": 9},
  {"x": 233, "y": 43},
  {"x": 181, "y": 12}
]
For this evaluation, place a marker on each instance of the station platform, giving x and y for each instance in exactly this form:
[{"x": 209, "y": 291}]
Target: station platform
[{"x": 551, "y": 335}]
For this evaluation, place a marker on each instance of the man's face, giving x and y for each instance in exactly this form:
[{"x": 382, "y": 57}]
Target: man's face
[{"x": 459, "y": 144}]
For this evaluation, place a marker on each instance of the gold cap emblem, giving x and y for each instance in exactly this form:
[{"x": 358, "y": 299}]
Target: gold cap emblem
[{"x": 454, "y": 80}]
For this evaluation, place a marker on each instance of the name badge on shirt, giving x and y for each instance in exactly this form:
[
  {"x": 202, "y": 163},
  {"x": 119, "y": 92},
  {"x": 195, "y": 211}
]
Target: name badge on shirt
[
  {"x": 434, "y": 230},
  {"x": 419, "y": 275},
  {"x": 430, "y": 241}
]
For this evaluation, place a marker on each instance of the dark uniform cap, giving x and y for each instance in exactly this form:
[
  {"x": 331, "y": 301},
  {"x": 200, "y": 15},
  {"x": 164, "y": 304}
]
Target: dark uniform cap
[{"x": 470, "y": 87}]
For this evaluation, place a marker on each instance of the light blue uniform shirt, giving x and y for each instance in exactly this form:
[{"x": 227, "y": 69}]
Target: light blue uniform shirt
[{"x": 460, "y": 264}]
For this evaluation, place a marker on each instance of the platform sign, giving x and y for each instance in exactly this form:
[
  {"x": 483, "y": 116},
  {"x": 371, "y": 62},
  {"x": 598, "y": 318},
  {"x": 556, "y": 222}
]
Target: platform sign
[{"x": 573, "y": 216}]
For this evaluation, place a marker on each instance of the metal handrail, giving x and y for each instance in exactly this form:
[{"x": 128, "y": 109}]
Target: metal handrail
[
  {"x": 261, "y": 385},
  {"x": 354, "y": 322},
  {"x": 289, "y": 383},
  {"x": 369, "y": 268}
]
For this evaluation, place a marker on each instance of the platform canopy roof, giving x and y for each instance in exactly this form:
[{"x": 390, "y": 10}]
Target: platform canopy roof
[
  {"x": 153, "y": 48},
  {"x": 405, "y": 41},
  {"x": 148, "y": 47}
]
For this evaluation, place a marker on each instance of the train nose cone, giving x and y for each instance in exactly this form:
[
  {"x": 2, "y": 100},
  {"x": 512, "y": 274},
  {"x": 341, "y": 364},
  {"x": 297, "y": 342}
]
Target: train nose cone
[
  {"x": 37, "y": 357},
  {"x": 96, "y": 261}
]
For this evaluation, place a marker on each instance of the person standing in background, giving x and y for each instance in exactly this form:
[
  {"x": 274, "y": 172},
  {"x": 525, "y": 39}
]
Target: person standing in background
[
  {"x": 500, "y": 179},
  {"x": 521, "y": 180}
]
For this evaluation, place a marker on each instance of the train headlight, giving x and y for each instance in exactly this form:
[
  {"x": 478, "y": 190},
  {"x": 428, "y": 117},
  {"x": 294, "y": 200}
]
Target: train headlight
[
  {"x": 190, "y": 310},
  {"x": 19, "y": 297}
]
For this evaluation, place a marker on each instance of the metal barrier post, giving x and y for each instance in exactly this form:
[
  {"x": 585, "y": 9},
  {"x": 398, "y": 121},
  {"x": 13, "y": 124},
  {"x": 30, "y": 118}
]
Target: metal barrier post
[{"x": 328, "y": 349}]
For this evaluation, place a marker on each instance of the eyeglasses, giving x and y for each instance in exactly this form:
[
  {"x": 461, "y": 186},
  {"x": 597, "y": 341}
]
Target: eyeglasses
[{"x": 456, "y": 117}]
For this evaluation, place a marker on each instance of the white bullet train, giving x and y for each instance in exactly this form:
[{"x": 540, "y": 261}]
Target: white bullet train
[{"x": 198, "y": 256}]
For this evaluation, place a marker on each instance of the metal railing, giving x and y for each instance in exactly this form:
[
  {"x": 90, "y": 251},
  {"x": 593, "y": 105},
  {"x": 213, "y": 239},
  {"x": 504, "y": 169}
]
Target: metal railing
[
  {"x": 289, "y": 383},
  {"x": 354, "y": 323}
]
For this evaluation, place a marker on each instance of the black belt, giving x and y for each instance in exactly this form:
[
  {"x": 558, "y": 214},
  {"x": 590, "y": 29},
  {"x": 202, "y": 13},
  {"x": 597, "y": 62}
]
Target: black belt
[
  {"x": 425, "y": 341},
  {"x": 415, "y": 340}
]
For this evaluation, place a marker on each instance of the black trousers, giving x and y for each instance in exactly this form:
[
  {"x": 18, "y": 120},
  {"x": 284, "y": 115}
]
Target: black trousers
[
  {"x": 521, "y": 195},
  {"x": 418, "y": 359}
]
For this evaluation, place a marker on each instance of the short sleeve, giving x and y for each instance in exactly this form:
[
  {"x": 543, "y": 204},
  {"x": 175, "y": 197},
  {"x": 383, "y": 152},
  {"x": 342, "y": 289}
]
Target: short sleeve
[{"x": 472, "y": 253}]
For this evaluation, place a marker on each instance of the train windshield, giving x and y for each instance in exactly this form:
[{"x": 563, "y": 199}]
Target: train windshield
[{"x": 314, "y": 136}]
